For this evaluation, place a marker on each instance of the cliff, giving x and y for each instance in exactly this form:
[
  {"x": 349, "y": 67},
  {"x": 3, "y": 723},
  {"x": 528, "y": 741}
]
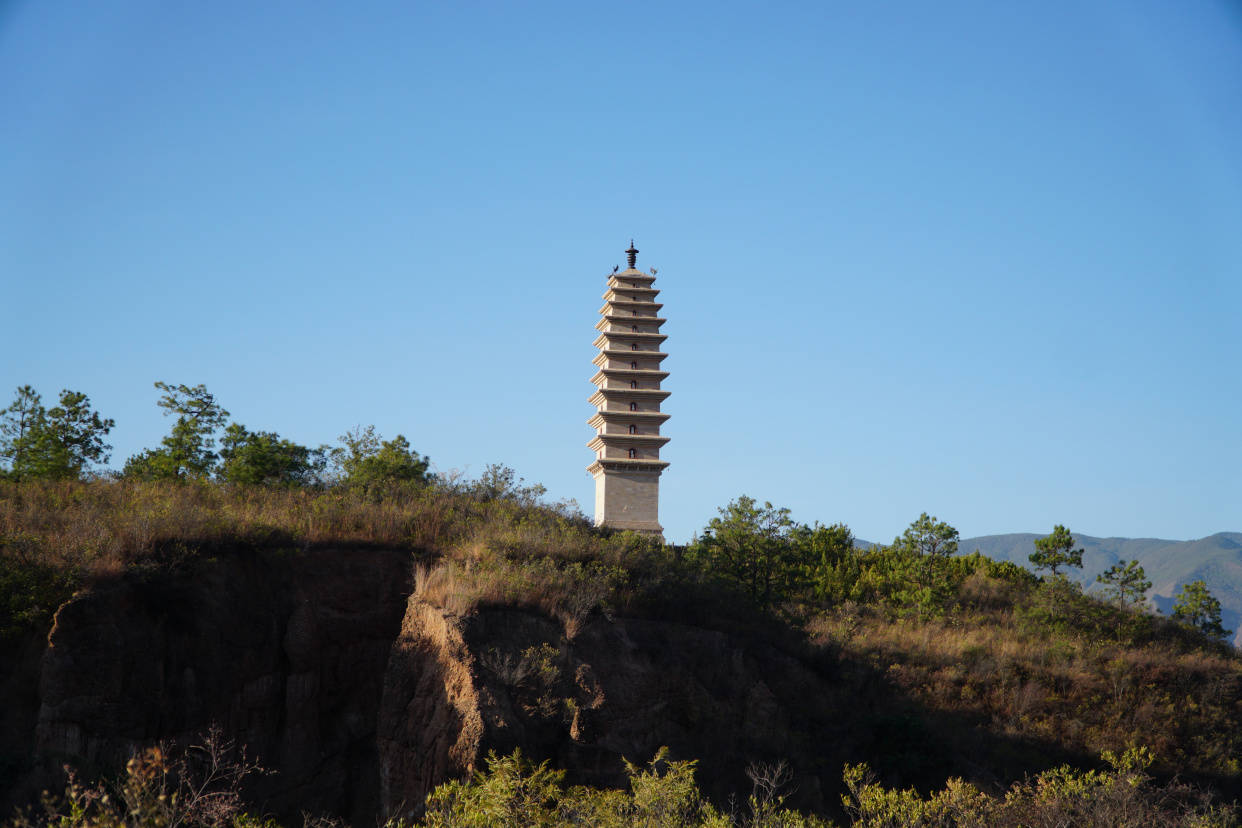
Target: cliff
[
  {"x": 501, "y": 679},
  {"x": 285, "y": 652},
  {"x": 363, "y": 689},
  {"x": 363, "y": 697}
]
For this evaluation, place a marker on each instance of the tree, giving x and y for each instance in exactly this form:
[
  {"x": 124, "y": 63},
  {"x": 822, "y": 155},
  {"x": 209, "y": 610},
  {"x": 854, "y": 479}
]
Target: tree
[
  {"x": 17, "y": 423},
  {"x": 364, "y": 459},
  {"x": 1125, "y": 583},
  {"x": 264, "y": 458},
  {"x": 499, "y": 482},
  {"x": 52, "y": 444},
  {"x": 827, "y": 558},
  {"x": 188, "y": 451},
  {"x": 1056, "y": 550},
  {"x": 749, "y": 544},
  {"x": 932, "y": 541},
  {"x": 1197, "y": 607},
  {"x": 928, "y": 537}
]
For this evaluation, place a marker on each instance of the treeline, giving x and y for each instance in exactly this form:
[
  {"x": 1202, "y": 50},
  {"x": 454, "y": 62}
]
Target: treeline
[
  {"x": 776, "y": 561},
  {"x": 67, "y": 442},
  {"x": 782, "y": 564}
]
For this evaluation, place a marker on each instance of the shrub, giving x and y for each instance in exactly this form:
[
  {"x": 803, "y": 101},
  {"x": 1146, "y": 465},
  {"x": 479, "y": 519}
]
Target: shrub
[{"x": 160, "y": 788}]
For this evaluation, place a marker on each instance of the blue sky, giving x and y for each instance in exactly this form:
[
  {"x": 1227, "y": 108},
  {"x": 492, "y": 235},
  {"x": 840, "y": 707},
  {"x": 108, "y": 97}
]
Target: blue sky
[{"x": 977, "y": 259}]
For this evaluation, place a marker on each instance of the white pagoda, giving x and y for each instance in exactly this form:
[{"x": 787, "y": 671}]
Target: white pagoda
[{"x": 627, "y": 423}]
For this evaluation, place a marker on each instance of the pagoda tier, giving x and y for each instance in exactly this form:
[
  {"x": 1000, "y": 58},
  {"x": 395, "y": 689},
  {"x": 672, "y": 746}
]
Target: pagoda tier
[
  {"x": 629, "y": 305},
  {"x": 626, "y": 293},
  {"x": 623, "y": 396},
  {"x": 621, "y": 416},
  {"x": 614, "y": 321},
  {"x": 624, "y": 339},
  {"x": 628, "y": 395},
  {"x": 634, "y": 353}
]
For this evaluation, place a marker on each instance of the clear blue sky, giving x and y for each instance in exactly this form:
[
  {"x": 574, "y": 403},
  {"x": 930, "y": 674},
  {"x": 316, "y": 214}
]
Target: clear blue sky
[{"x": 978, "y": 259}]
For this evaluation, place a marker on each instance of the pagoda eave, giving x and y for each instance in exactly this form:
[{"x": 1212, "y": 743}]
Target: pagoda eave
[
  {"x": 625, "y": 417},
  {"x": 611, "y": 293},
  {"x": 604, "y": 395},
  {"x": 628, "y": 336},
  {"x": 627, "y": 305},
  {"x": 619, "y": 464},
  {"x": 627, "y": 373},
  {"x": 632, "y": 275},
  {"x": 600, "y": 441},
  {"x": 645, "y": 320},
  {"x": 616, "y": 353},
  {"x": 601, "y": 325}
]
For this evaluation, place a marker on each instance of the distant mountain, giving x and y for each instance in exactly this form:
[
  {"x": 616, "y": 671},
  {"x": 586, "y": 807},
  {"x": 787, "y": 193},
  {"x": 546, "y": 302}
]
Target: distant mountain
[{"x": 1216, "y": 559}]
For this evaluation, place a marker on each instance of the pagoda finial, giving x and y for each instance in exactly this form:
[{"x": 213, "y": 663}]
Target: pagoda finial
[{"x": 632, "y": 253}]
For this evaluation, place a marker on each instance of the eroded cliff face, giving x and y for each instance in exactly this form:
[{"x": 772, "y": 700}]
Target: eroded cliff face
[
  {"x": 501, "y": 679},
  {"x": 363, "y": 697},
  {"x": 284, "y": 652}
]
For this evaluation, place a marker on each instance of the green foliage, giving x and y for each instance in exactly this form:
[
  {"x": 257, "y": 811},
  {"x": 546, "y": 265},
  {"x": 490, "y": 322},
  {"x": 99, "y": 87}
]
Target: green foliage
[
  {"x": 1124, "y": 797},
  {"x": 1060, "y": 605},
  {"x": 751, "y": 545},
  {"x": 1056, "y": 550},
  {"x": 1125, "y": 583},
  {"x": 830, "y": 562},
  {"x": 366, "y": 460},
  {"x": 59, "y": 443},
  {"x": 775, "y": 560},
  {"x": 188, "y": 452},
  {"x": 928, "y": 537},
  {"x": 1197, "y": 607},
  {"x": 265, "y": 458},
  {"x": 17, "y": 423},
  {"x": 499, "y": 482},
  {"x": 918, "y": 571},
  {"x": 514, "y": 791},
  {"x": 30, "y": 588},
  {"x": 926, "y": 544}
]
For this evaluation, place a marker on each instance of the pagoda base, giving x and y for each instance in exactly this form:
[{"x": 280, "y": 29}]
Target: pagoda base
[{"x": 627, "y": 498}]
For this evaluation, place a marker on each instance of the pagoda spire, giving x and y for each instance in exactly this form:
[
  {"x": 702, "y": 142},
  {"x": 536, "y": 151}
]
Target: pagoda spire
[{"x": 628, "y": 395}]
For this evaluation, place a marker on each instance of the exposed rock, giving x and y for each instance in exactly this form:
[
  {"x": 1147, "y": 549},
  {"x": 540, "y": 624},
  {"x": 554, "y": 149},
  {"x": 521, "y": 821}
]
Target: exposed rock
[
  {"x": 456, "y": 689},
  {"x": 285, "y": 652},
  {"x": 363, "y": 699}
]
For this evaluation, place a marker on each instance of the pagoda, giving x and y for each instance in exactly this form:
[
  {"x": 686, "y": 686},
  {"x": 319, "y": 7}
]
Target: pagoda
[{"x": 628, "y": 395}]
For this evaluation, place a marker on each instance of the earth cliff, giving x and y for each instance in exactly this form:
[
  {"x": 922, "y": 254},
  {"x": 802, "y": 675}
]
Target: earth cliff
[
  {"x": 363, "y": 697},
  {"x": 285, "y": 652}
]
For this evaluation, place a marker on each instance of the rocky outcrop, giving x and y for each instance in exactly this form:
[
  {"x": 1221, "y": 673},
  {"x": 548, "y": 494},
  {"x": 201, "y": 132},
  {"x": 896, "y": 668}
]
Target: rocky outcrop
[
  {"x": 363, "y": 698},
  {"x": 285, "y": 652},
  {"x": 499, "y": 679}
]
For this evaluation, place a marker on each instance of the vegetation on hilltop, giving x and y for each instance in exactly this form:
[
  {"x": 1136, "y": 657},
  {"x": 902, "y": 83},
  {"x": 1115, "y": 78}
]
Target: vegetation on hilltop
[{"x": 958, "y": 661}]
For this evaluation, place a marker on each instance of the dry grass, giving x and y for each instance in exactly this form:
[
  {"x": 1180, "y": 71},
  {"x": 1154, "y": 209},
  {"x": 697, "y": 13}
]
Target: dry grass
[
  {"x": 568, "y": 592},
  {"x": 1086, "y": 694},
  {"x": 475, "y": 552},
  {"x": 107, "y": 525}
]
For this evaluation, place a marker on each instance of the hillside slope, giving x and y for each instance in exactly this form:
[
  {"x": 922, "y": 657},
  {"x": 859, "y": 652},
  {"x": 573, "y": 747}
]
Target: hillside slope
[
  {"x": 370, "y": 645},
  {"x": 1216, "y": 559}
]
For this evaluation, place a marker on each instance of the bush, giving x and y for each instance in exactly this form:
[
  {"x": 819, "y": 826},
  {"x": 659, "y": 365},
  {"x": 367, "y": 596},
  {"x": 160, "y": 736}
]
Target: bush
[
  {"x": 1123, "y": 797},
  {"x": 160, "y": 788}
]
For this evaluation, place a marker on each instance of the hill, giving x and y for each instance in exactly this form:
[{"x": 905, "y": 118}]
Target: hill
[
  {"x": 375, "y": 644},
  {"x": 1216, "y": 559}
]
